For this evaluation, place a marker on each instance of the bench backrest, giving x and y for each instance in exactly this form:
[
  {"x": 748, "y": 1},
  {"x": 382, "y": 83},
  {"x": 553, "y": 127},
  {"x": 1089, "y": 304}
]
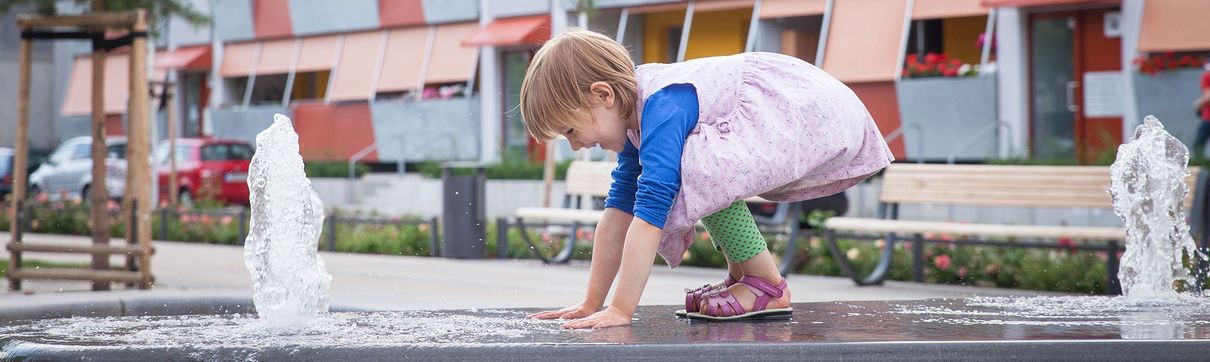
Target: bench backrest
[
  {"x": 589, "y": 178},
  {"x": 1004, "y": 185}
]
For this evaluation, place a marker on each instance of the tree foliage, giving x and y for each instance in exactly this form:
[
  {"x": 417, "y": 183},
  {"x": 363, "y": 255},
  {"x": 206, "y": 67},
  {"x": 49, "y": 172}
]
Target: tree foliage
[{"x": 158, "y": 9}]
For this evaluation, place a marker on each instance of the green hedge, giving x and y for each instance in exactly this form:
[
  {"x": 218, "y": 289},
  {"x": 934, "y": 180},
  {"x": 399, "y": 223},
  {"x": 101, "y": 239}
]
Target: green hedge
[
  {"x": 333, "y": 169},
  {"x": 510, "y": 170}
]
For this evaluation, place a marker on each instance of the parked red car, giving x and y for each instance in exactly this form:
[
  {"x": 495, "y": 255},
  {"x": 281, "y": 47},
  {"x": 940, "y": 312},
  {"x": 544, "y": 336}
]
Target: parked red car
[{"x": 207, "y": 167}]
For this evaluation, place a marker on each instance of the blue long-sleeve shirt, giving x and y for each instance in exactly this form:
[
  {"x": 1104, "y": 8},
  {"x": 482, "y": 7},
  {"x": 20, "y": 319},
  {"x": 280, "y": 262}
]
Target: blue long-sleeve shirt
[{"x": 646, "y": 180}]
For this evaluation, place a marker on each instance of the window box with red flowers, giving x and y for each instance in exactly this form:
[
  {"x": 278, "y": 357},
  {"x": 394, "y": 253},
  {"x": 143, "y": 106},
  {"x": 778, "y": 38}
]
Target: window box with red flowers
[
  {"x": 943, "y": 104},
  {"x": 1165, "y": 85},
  {"x": 1152, "y": 64},
  {"x": 937, "y": 65}
]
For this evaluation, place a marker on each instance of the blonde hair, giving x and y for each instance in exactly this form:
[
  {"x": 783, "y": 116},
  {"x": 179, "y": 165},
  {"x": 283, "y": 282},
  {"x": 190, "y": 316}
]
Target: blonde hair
[{"x": 558, "y": 79}]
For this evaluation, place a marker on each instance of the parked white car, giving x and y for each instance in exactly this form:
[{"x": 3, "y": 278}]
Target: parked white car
[{"x": 68, "y": 170}]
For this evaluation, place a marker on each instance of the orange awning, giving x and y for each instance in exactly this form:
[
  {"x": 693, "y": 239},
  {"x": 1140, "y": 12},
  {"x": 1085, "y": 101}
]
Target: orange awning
[
  {"x": 275, "y": 57},
  {"x": 1170, "y": 25},
  {"x": 238, "y": 60},
  {"x": 791, "y": 8},
  {"x": 939, "y": 9},
  {"x": 512, "y": 31},
  {"x": 317, "y": 53},
  {"x": 78, "y": 99},
  {"x": 719, "y": 5},
  {"x": 1028, "y": 3},
  {"x": 698, "y": 6},
  {"x": 864, "y": 39},
  {"x": 451, "y": 61},
  {"x": 354, "y": 75},
  {"x": 185, "y": 58},
  {"x": 403, "y": 58}
]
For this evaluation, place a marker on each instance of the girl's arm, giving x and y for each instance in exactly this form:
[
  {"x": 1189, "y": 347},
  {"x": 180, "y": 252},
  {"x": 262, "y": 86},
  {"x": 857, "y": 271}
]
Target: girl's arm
[
  {"x": 610, "y": 236},
  {"x": 606, "y": 257},
  {"x": 642, "y": 241}
]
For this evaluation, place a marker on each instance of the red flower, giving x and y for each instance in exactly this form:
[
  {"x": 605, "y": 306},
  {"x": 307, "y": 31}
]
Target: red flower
[
  {"x": 942, "y": 261},
  {"x": 931, "y": 58}
]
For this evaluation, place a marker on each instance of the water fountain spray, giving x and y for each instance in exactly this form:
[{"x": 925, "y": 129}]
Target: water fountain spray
[
  {"x": 1148, "y": 188},
  {"x": 289, "y": 279}
]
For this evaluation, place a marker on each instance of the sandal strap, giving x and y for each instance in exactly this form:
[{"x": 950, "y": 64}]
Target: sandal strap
[
  {"x": 757, "y": 283},
  {"x": 723, "y": 305},
  {"x": 693, "y": 297}
]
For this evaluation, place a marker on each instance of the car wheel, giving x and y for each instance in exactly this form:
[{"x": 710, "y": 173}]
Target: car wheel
[
  {"x": 183, "y": 198},
  {"x": 86, "y": 194}
]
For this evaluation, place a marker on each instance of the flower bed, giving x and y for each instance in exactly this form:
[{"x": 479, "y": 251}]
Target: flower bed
[{"x": 1037, "y": 269}]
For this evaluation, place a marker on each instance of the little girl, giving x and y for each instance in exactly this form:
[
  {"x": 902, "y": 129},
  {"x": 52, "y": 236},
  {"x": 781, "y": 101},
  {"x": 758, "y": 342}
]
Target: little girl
[{"x": 694, "y": 139}]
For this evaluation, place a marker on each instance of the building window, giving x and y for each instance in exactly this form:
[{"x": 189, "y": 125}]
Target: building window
[
  {"x": 233, "y": 91},
  {"x": 268, "y": 89},
  {"x": 310, "y": 86}
]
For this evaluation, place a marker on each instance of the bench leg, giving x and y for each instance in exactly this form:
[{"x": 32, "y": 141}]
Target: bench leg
[
  {"x": 533, "y": 249},
  {"x": 876, "y": 277},
  {"x": 569, "y": 246},
  {"x": 564, "y": 255}
]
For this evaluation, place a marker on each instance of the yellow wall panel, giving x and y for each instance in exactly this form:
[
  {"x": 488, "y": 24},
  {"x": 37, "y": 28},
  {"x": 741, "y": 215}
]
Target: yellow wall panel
[
  {"x": 959, "y": 37},
  {"x": 712, "y": 33}
]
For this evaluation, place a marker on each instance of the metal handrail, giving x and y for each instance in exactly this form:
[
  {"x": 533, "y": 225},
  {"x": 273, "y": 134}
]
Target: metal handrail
[
  {"x": 899, "y": 132},
  {"x": 969, "y": 141},
  {"x": 358, "y": 156}
]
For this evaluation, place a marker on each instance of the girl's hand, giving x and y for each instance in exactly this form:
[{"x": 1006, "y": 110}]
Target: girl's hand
[
  {"x": 610, "y": 317},
  {"x": 573, "y": 312}
]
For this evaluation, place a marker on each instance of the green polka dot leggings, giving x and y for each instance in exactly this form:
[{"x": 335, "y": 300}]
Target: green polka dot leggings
[{"x": 734, "y": 232}]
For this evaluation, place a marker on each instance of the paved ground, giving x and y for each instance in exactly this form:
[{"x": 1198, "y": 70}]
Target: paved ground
[{"x": 385, "y": 282}]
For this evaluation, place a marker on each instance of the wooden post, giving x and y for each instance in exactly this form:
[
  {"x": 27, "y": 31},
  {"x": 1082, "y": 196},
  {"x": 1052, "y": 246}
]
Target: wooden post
[
  {"x": 22, "y": 149},
  {"x": 170, "y": 99},
  {"x": 548, "y": 172},
  {"x": 99, "y": 194},
  {"x": 138, "y": 170}
]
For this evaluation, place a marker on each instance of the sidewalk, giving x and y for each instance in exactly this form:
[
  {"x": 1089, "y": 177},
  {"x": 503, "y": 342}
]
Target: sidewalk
[{"x": 386, "y": 282}]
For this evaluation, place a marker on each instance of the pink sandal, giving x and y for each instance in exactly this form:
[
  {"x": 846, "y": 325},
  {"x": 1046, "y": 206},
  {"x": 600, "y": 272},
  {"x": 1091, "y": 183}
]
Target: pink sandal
[
  {"x": 721, "y": 305},
  {"x": 693, "y": 297}
]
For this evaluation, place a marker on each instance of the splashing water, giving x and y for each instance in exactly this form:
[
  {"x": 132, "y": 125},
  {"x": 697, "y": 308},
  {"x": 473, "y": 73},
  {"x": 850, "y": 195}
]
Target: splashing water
[
  {"x": 1148, "y": 189},
  {"x": 289, "y": 280}
]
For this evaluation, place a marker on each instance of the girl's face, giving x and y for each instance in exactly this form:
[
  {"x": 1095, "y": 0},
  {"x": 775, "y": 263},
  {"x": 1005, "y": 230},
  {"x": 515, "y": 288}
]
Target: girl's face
[{"x": 601, "y": 124}]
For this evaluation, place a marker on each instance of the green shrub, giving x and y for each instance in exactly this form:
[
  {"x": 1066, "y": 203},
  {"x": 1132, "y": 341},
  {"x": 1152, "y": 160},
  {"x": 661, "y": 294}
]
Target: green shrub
[
  {"x": 509, "y": 170},
  {"x": 337, "y": 169}
]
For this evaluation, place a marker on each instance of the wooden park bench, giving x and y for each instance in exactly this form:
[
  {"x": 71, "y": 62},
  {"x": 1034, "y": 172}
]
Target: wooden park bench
[
  {"x": 586, "y": 186},
  {"x": 1079, "y": 187}
]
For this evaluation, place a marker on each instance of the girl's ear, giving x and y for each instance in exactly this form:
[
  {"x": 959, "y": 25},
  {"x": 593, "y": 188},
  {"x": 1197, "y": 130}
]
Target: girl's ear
[{"x": 602, "y": 93}]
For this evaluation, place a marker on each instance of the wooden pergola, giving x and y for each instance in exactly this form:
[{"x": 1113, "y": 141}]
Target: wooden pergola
[{"x": 136, "y": 201}]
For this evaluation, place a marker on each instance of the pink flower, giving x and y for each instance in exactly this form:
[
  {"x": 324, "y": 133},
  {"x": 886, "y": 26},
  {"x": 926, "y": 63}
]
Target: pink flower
[
  {"x": 226, "y": 220},
  {"x": 942, "y": 261}
]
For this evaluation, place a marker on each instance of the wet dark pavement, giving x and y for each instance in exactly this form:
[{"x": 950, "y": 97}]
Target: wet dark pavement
[{"x": 1080, "y": 328}]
